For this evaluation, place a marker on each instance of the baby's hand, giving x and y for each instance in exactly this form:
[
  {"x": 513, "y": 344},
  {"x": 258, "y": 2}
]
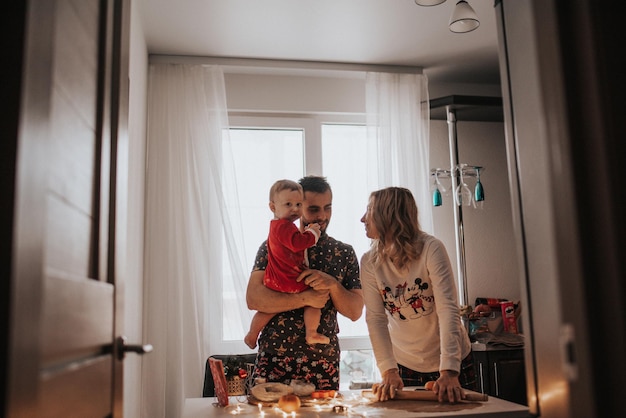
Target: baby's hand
[
  {"x": 315, "y": 230},
  {"x": 314, "y": 226}
]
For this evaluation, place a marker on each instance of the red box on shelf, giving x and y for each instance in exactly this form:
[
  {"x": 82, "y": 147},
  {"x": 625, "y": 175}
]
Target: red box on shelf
[{"x": 509, "y": 321}]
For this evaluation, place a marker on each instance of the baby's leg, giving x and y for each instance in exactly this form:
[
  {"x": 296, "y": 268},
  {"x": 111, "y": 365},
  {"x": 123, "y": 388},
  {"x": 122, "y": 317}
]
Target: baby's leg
[
  {"x": 259, "y": 320},
  {"x": 312, "y": 321}
]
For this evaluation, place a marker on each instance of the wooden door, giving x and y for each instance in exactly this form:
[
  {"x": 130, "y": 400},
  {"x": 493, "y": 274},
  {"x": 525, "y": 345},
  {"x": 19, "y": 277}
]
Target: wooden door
[{"x": 64, "y": 295}]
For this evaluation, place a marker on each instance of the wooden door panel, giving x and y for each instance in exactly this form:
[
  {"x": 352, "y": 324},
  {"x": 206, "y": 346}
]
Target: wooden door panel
[
  {"x": 68, "y": 239},
  {"x": 72, "y": 154},
  {"x": 77, "y": 311},
  {"x": 71, "y": 393},
  {"x": 62, "y": 313},
  {"x": 85, "y": 308},
  {"x": 76, "y": 51},
  {"x": 71, "y": 216},
  {"x": 77, "y": 317}
]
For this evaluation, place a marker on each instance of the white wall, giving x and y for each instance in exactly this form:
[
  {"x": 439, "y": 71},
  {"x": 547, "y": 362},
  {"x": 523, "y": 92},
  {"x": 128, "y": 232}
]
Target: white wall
[
  {"x": 342, "y": 92},
  {"x": 491, "y": 268},
  {"x": 295, "y": 94}
]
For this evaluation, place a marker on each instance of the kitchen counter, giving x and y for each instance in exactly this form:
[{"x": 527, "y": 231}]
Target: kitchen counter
[
  {"x": 355, "y": 407},
  {"x": 487, "y": 341},
  {"x": 476, "y": 346}
]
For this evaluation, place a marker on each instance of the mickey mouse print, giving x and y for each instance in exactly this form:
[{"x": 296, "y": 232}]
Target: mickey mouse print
[{"x": 409, "y": 301}]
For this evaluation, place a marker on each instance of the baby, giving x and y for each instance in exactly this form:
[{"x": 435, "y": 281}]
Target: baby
[{"x": 286, "y": 257}]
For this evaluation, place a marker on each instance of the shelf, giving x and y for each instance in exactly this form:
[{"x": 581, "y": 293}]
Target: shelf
[
  {"x": 468, "y": 171},
  {"x": 452, "y": 109},
  {"x": 476, "y": 346},
  {"x": 468, "y": 108}
]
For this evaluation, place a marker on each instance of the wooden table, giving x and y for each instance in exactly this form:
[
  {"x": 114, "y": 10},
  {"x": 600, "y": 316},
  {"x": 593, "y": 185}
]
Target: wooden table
[{"x": 354, "y": 406}]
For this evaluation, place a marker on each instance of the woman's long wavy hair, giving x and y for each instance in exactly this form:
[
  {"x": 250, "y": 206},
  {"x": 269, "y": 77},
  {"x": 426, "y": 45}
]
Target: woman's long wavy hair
[{"x": 395, "y": 216}]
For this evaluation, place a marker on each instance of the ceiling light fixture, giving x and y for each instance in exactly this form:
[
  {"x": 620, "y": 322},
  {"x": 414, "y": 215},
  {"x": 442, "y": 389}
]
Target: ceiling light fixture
[
  {"x": 428, "y": 2},
  {"x": 463, "y": 17}
]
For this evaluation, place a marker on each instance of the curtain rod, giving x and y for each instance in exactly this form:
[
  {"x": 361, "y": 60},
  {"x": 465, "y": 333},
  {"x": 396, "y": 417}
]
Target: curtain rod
[{"x": 246, "y": 64}]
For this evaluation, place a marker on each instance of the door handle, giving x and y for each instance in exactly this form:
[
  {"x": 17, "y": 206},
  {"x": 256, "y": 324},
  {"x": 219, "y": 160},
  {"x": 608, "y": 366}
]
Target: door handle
[
  {"x": 123, "y": 347},
  {"x": 496, "y": 378},
  {"x": 482, "y": 379}
]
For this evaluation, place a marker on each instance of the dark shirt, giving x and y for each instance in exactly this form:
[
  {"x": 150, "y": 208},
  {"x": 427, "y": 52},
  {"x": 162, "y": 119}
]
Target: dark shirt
[{"x": 283, "y": 352}]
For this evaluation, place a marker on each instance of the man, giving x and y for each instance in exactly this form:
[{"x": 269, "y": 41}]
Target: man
[{"x": 333, "y": 277}]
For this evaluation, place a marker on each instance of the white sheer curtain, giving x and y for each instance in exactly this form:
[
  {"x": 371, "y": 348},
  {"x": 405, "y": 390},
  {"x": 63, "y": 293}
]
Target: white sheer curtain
[
  {"x": 185, "y": 224},
  {"x": 398, "y": 131}
]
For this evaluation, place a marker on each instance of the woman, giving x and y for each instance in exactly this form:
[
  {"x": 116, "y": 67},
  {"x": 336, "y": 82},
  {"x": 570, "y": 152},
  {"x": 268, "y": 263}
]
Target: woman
[{"x": 412, "y": 311}]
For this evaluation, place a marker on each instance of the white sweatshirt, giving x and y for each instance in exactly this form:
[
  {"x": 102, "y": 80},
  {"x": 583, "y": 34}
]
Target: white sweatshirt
[{"x": 413, "y": 316}]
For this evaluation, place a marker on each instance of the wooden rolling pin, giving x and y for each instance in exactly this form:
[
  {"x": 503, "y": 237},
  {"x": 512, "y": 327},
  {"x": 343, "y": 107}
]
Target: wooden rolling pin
[{"x": 426, "y": 395}]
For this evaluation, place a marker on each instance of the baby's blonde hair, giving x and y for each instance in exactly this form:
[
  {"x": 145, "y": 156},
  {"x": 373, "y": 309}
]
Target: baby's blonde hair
[{"x": 281, "y": 185}]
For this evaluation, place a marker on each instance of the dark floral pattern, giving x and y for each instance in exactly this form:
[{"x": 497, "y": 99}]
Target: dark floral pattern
[{"x": 283, "y": 351}]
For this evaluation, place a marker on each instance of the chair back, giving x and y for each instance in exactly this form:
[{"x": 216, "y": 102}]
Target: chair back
[{"x": 239, "y": 360}]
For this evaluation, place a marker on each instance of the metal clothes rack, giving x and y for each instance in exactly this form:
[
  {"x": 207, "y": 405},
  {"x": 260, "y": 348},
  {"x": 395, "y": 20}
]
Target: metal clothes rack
[{"x": 452, "y": 109}]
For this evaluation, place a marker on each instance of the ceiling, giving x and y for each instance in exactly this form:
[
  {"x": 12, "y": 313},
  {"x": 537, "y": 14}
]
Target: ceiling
[{"x": 387, "y": 32}]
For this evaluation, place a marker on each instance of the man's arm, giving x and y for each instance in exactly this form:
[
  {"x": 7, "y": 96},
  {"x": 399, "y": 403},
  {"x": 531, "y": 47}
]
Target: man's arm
[
  {"x": 260, "y": 298},
  {"x": 349, "y": 303}
]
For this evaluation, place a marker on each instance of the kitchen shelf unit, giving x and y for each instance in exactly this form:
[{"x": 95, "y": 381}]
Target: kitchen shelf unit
[
  {"x": 466, "y": 108},
  {"x": 501, "y": 372}
]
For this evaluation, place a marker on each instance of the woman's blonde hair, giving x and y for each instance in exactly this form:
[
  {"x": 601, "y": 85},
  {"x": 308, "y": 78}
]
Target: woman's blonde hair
[{"x": 395, "y": 217}]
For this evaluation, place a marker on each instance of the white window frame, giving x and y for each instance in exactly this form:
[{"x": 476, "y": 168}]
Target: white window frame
[{"x": 312, "y": 126}]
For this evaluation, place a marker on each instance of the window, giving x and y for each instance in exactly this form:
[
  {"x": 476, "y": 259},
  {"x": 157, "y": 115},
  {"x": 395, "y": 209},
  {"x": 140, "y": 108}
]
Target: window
[
  {"x": 260, "y": 157},
  {"x": 342, "y": 162}
]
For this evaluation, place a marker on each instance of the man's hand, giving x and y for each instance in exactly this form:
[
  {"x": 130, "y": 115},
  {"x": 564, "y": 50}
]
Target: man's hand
[
  {"x": 318, "y": 280},
  {"x": 260, "y": 298},
  {"x": 349, "y": 303},
  {"x": 315, "y": 298}
]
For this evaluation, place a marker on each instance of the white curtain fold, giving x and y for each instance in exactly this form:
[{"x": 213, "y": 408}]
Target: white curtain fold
[
  {"x": 398, "y": 130},
  {"x": 187, "y": 121}
]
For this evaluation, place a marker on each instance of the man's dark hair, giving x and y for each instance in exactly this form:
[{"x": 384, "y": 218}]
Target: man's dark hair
[{"x": 315, "y": 184}]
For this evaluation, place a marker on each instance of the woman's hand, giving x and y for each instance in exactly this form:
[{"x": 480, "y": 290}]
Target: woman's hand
[
  {"x": 448, "y": 387},
  {"x": 392, "y": 382}
]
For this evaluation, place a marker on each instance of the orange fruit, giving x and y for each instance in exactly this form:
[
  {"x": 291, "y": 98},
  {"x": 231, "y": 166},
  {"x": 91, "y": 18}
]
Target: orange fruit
[
  {"x": 289, "y": 403},
  {"x": 319, "y": 394}
]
